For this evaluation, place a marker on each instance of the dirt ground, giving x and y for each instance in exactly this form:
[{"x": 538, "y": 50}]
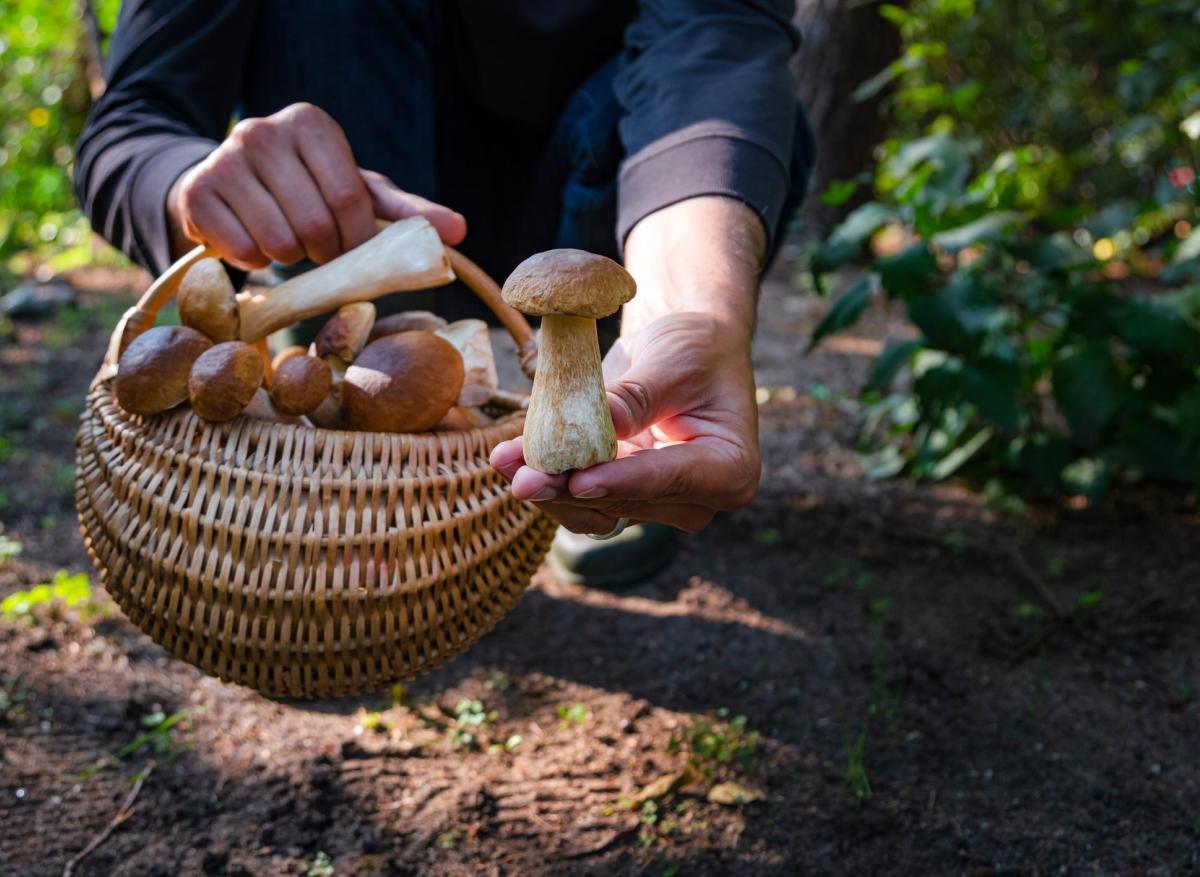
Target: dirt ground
[{"x": 928, "y": 688}]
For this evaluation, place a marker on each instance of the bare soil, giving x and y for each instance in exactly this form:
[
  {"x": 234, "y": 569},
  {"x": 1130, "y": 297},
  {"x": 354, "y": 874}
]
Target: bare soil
[{"x": 930, "y": 693}]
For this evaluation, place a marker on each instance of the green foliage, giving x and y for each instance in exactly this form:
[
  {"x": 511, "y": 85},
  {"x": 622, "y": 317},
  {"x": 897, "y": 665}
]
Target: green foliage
[
  {"x": 44, "y": 101},
  {"x": 1042, "y": 181},
  {"x": 711, "y": 745},
  {"x": 572, "y": 714},
  {"x": 469, "y": 717},
  {"x": 74, "y": 591},
  {"x": 322, "y": 866}
]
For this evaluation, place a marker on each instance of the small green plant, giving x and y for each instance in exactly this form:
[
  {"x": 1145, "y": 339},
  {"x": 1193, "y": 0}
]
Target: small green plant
[
  {"x": 469, "y": 717},
  {"x": 572, "y": 714},
  {"x": 12, "y": 699},
  {"x": 1090, "y": 600},
  {"x": 857, "y": 779},
  {"x": 9, "y": 548},
  {"x": 73, "y": 591},
  {"x": 498, "y": 681},
  {"x": 448, "y": 840},
  {"x": 321, "y": 866},
  {"x": 158, "y": 738},
  {"x": 714, "y": 744}
]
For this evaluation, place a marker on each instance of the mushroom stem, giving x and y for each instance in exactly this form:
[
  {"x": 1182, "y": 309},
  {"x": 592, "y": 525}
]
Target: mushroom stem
[
  {"x": 404, "y": 256},
  {"x": 568, "y": 425}
]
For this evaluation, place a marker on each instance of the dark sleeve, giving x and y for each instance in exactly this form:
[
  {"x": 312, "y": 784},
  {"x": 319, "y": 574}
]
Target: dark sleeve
[
  {"x": 708, "y": 106},
  {"x": 174, "y": 78}
]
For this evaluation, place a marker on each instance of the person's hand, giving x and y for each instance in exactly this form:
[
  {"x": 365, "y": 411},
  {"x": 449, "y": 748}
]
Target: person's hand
[
  {"x": 681, "y": 393},
  {"x": 287, "y": 187}
]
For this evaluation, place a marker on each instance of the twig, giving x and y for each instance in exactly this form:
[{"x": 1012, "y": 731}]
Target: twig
[
  {"x": 1034, "y": 579},
  {"x": 124, "y": 813}
]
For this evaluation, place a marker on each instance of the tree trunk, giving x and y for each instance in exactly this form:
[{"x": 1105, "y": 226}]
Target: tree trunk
[{"x": 845, "y": 43}]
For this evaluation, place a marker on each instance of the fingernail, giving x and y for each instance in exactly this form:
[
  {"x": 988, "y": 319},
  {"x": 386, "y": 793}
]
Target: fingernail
[
  {"x": 592, "y": 493},
  {"x": 544, "y": 494}
]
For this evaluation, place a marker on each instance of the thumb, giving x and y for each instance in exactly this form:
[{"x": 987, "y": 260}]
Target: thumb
[
  {"x": 392, "y": 203},
  {"x": 643, "y": 396}
]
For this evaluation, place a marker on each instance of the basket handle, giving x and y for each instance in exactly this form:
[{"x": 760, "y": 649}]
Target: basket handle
[{"x": 143, "y": 315}]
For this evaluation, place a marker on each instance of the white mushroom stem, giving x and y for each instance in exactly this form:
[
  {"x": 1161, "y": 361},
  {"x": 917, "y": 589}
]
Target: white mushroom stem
[
  {"x": 404, "y": 256},
  {"x": 568, "y": 425}
]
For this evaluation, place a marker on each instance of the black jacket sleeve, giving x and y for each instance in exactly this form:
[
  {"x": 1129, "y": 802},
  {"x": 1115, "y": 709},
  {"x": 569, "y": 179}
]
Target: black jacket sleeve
[
  {"x": 174, "y": 76},
  {"x": 708, "y": 106}
]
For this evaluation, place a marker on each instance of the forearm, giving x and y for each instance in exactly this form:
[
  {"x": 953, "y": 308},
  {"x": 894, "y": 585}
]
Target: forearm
[{"x": 702, "y": 254}]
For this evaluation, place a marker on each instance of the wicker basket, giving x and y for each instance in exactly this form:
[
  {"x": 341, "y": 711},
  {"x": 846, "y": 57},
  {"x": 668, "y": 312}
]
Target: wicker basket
[{"x": 303, "y": 562}]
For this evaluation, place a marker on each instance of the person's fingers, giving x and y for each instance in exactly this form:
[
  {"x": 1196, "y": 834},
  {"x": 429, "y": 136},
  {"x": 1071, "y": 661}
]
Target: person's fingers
[
  {"x": 260, "y": 215},
  {"x": 207, "y": 219},
  {"x": 534, "y": 486},
  {"x": 579, "y": 520},
  {"x": 326, "y": 153},
  {"x": 392, "y": 203},
  {"x": 719, "y": 477},
  {"x": 507, "y": 457},
  {"x": 296, "y": 192}
]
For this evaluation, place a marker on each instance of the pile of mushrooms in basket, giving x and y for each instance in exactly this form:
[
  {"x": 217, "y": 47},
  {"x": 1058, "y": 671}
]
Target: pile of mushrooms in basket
[{"x": 405, "y": 373}]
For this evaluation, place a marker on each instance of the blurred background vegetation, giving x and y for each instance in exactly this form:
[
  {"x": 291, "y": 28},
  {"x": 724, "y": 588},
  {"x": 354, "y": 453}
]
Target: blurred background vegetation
[
  {"x": 1032, "y": 206},
  {"x": 48, "y": 70}
]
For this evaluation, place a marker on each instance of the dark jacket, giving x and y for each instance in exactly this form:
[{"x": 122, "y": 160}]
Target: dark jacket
[{"x": 461, "y": 101}]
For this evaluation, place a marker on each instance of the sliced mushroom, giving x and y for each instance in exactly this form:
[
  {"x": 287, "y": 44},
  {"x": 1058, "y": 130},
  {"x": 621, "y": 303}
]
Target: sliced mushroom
[{"x": 474, "y": 343}]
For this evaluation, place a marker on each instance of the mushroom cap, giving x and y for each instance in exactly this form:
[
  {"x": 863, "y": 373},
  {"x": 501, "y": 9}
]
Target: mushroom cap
[
  {"x": 402, "y": 383},
  {"x": 224, "y": 379},
  {"x": 408, "y": 321},
  {"x": 301, "y": 384},
  {"x": 571, "y": 282},
  {"x": 287, "y": 353},
  {"x": 346, "y": 332},
  {"x": 152, "y": 374},
  {"x": 208, "y": 302}
]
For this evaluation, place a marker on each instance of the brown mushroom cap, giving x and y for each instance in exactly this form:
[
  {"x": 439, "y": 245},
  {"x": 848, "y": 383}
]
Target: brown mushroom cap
[
  {"x": 346, "y": 332},
  {"x": 207, "y": 301},
  {"x": 287, "y": 353},
  {"x": 301, "y": 384},
  {"x": 152, "y": 374},
  {"x": 402, "y": 383},
  {"x": 570, "y": 282},
  {"x": 224, "y": 379},
  {"x": 408, "y": 321}
]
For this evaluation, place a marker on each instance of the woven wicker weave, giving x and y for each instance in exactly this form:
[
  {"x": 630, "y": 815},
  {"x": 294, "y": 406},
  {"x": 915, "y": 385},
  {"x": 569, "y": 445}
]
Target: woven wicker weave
[{"x": 302, "y": 562}]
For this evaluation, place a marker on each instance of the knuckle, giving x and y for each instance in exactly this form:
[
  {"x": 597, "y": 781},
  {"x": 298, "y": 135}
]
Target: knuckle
[
  {"x": 636, "y": 395},
  {"x": 253, "y": 133},
  {"x": 314, "y": 227},
  {"x": 304, "y": 113},
  {"x": 744, "y": 486},
  {"x": 347, "y": 198}
]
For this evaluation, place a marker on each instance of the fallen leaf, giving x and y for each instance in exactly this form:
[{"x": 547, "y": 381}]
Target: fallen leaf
[
  {"x": 732, "y": 794},
  {"x": 664, "y": 785}
]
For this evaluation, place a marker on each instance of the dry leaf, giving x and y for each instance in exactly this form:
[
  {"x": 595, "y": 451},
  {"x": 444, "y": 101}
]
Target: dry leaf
[
  {"x": 732, "y": 794},
  {"x": 665, "y": 784}
]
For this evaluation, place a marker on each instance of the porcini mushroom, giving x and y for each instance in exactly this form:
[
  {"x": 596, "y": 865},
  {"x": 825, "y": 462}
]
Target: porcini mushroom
[
  {"x": 152, "y": 373},
  {"x": 208, "y": 302},
  {"x": 346, "y": 332},
  {"x": 408, "y": 321},
  {"x": 224, "y": 379},
  {"x": 284, "y": 355},
  {"x": 301, "y": 384},
  {"x": 402, "y": 383},
  {"x": 568, "y": 425},
  {"x": 473, "y": 342}
]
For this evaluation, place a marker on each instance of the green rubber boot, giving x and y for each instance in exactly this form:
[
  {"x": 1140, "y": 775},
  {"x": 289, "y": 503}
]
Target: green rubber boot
[{"x": 623, "y": 561}]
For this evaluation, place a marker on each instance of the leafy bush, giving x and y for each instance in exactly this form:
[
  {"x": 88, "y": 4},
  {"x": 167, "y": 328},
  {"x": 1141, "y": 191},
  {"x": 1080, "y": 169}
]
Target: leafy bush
[
  {"x": 1036, "y": 214},
  {"x": 44, "y": 101}
]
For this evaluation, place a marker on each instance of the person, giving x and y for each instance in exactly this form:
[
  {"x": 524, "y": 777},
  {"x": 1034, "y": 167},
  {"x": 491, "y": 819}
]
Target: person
[{"x": 663, "y": 133}]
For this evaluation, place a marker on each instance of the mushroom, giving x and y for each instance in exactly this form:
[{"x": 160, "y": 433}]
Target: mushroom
[
  {"x": 464, "y": 417},
  {"x": 284, "y": 355},
  {"x": 301, "y": 384},
  {"x": 345, "y": 334},
  {"x": 152, "y": 373},
  {"x": 568, "y": 425},
  {"x": 408, "y": 321},
  {"x": 207, "y": 301},
  {"x": 406, "y": 255},
  {"x": 473, "y": 342},
  {"x": 224, "y": 379},
  {"x": 260, "y": 408},
  {"x": 402, "y": 383}
]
